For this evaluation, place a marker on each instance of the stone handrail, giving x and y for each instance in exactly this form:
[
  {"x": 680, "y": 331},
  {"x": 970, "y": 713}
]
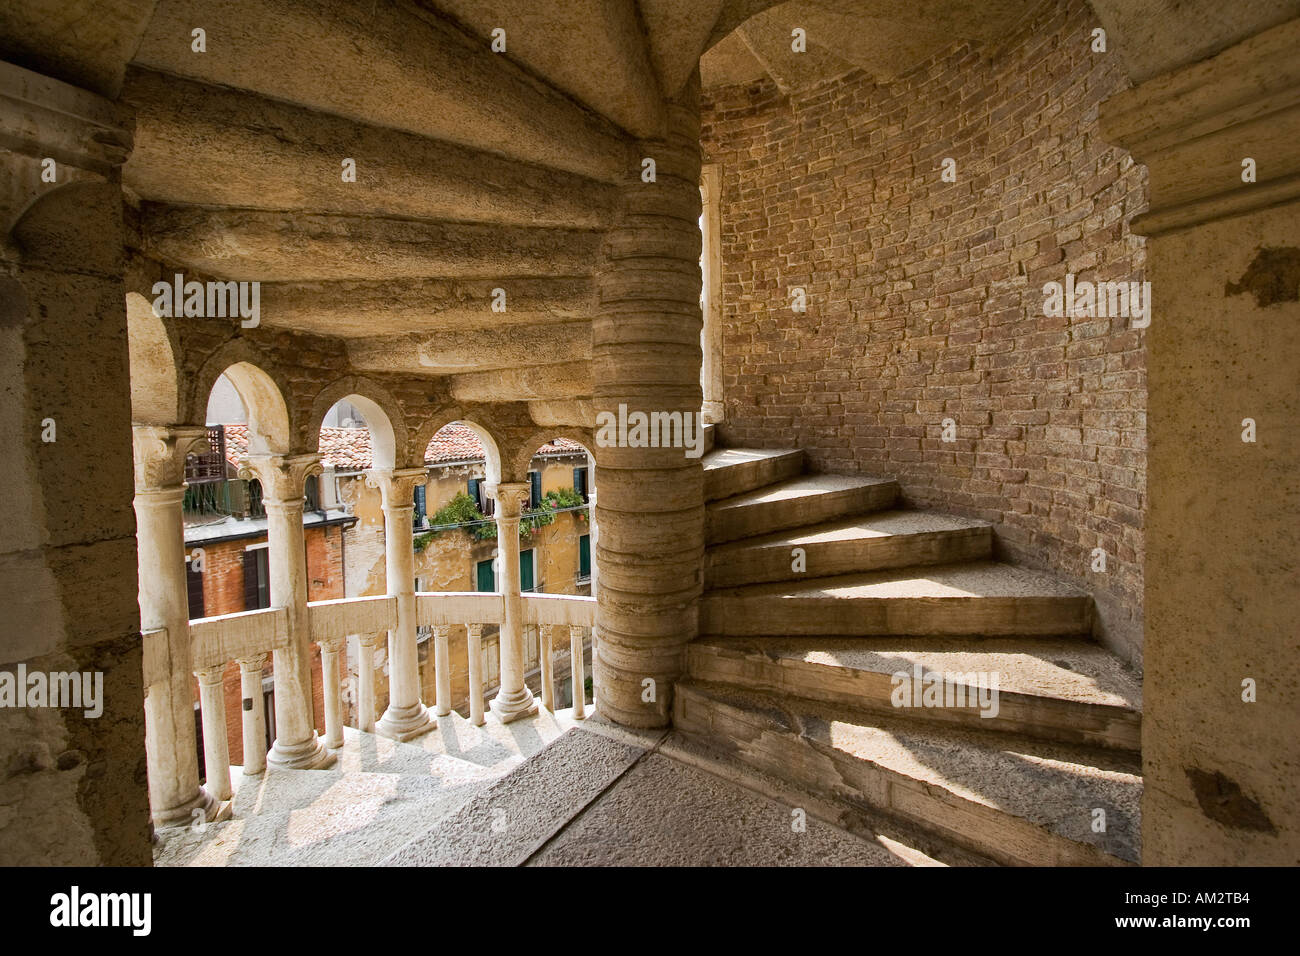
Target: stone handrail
[
  {"x": 215, "y": 641},
  {"x": 359, "y": 615}
]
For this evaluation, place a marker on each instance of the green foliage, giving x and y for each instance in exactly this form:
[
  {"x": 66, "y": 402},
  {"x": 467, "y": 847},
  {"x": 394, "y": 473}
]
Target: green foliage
[
  {"x": 422, "y": 541},
  {"x": 561, "y": 498}
]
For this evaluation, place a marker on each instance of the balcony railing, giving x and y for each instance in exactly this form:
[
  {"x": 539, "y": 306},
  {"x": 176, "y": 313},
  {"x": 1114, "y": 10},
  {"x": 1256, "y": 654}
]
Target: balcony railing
[{"x": 249, "y": 635}]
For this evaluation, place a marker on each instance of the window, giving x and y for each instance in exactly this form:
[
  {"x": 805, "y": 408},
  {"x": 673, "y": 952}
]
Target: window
[
  {"x": 255, "y": 509},
  {"x": 476, "y": 487},
  {"x": 534, "y": 489},
  {"x": 527, "y": 570},
  {"x": 194, "y": 589},
  {"x": 485, "y": 578},
  {"x": 580, "y": 482},
  {"x": 420, "y": 506},
  {"x": 257, "y": 578},
  {"x": 584, "y": 557},
  {"x": 311, "y": 492}
]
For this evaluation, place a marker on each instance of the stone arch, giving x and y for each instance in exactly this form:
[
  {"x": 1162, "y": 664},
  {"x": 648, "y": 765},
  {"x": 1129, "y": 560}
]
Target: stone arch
[
  {"x": 491, "y": 449},
  {"x": 522, "y": 454},
  {"x": 155, "y": 387},
  {"x": 261, "y": 388},
  {"x": 384, "y": 418}
]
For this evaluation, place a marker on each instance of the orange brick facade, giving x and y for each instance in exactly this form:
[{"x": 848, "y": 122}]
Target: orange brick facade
[{"x": 925, "y": 301}]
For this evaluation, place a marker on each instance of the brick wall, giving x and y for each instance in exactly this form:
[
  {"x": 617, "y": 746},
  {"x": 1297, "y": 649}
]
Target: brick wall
[{"x": 925, "y": 297}]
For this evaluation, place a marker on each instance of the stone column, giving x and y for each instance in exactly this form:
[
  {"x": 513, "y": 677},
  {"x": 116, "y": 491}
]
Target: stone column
[
  {"x": 170, "y": 744},
  {"x": 646, "y": 358},
  {"x": 283, "y": 480},
  {"x": 442, "y": 669},
  {"x": 366, "y": 644},
  {"x": 406, "y": 716},
  {"x": 474, "y": 647},
  {"x": 330, "y": 651},
  {"x": 254, "y": 719},
  {"x": 513, "y": 700},
  {"x": 216, "y": 748}
]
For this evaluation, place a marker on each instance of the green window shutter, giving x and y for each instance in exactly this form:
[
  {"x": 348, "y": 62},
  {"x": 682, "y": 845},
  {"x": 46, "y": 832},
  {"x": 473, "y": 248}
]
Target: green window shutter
[
  {"x": 535, "y": 489},
  {"x": 526, "y": 570},
  {"x": 584, "y": 556},
  {"x": 485, "y": 579}
]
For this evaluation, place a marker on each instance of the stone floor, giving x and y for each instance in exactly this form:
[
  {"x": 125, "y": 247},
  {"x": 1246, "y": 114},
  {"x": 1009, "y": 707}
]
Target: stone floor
[{"x": 548, "y": 791}]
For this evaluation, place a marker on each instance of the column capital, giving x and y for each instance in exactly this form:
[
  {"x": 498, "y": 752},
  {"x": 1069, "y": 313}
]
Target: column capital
[
  {"x": 254, "y": 664},
  {"x": 211, "y": 675},
  {"x": 333, "y": 644},
  {"x": 511, "y": 496},
  {"x": 160, "y": 451},
  {"x": 397, "y": 485},
  {"x": 283, "y": 477}
]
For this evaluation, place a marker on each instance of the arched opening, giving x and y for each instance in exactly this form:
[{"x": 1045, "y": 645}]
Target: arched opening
[{"x": 155, "y": 399}]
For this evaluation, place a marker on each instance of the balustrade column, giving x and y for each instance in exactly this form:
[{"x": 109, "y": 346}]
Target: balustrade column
[
  {"x": 646, "y": 359},
  {"x": 283, "y": 479},
  {"x": 546, "y": 653},
  {"x": 366, "y": 644},
  {"x": 474, "y": 647},
  {"x": 442, "y": 670},
  {"x": 254, "y": 716},
  {"x": 330, "y": 650},
  {"x": 513, "y": 700},
  {"x": 577, "y": 672},
  {"x": 406, "y": 716},
  {"x": 170, "y": 745},
  {"x": 216, "y": 748}
]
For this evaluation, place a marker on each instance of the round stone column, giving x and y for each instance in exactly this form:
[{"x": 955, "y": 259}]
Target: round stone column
[
  {"x": 406, "y": 716},
  {"x": 283, "y": 479},
  {"x": 513, "y": 700},
  {"x": 170, "y": 743},
  {"x": 646, "y": 358}
]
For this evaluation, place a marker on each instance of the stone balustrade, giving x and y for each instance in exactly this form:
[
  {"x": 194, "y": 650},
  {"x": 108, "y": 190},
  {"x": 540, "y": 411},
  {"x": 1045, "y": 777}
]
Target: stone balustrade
[{"x": 249, "y": 636}]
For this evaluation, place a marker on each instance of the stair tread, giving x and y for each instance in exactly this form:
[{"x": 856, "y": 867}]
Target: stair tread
[
  {"x": 1052, "y": 785},
  {"x": 971, "y": 579},
  {"x": 803, "y": 486},
  {"x": 879, "y": 524},
  {"x": 731, "y": 457},
  {"x": 1060, "y": 668}
]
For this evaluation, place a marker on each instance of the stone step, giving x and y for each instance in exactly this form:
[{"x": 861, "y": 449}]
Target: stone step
[
  {"x": 1052, "y": 688},
  {"x": 805, "y": 500},
  {"x": 734, "y": 471},
  {"x": 888, "y": 539},
  {"x": 1018, "y": 800},
  {"x": 979, "y": 598}
]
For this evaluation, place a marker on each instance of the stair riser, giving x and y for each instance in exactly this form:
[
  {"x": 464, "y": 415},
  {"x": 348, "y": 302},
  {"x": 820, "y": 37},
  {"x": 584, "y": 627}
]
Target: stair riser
[
  {"x": 1042, "y": 717},
  {"x": 710, "y": 437},
  {"x": 750, "y": 475},
  {"x": 763, "y": 565},
  {"x": 765, "y": 744},
  {"x": 777, "y": 616},
  {"x": 732, "y": 524}
]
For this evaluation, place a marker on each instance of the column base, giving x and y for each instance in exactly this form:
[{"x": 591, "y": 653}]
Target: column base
[
  {"x": 509, "y": 709},
  {"x": 183, "y": 815},
  {"x": 403, "y": 723},
  {"x": 311, "y": 754}
]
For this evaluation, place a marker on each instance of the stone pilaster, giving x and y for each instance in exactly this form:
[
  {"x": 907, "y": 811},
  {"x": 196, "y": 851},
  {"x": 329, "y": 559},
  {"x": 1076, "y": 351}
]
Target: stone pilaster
[
  {"x": 513, "y": 700},
  {"x": 646, "y": 358},
  {"x": 1221, "y": 595},
  {"x": 406, "y": 716},
  {"x": 283, "y": 479},
  {"x": 170, "y": 745}
]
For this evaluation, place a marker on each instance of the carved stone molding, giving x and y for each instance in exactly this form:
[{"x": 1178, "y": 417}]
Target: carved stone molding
[
  {"x": 283, "y": 477},
  {"x": 396, "y": 485},
  {"x": 511, "y": 496},
  {"x": 160, "y": 452}
]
